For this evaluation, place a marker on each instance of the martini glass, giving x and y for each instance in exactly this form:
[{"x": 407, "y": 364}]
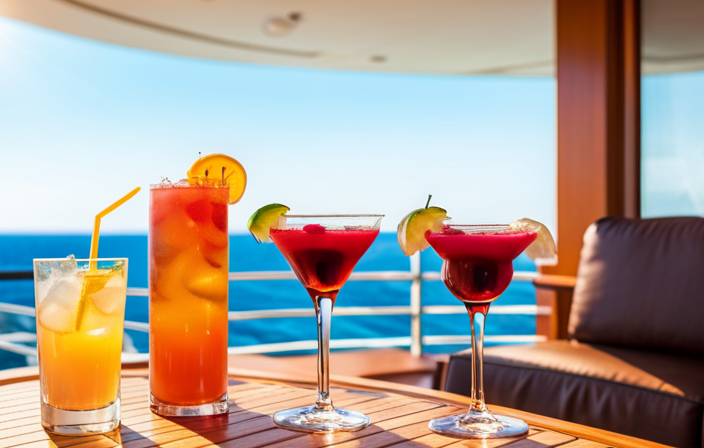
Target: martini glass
[
  {"x": 477, "y": 267},
  {"x": 323, "y": 250}
]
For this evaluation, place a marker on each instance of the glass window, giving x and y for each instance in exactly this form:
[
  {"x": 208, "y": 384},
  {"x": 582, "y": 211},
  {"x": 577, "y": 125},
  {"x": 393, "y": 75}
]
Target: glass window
[{"x": 672, "y": 108}]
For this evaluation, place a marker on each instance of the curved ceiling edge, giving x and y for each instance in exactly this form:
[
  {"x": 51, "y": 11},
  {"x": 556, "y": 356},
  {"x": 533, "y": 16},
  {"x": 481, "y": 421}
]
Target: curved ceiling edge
[{"x": 189, "y": 34}]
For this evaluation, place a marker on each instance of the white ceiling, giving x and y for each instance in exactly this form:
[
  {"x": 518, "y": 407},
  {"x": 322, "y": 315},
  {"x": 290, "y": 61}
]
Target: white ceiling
[
  {"x": 673, "y": 35},
  {"x": 413, "y": 36},
  {"x": 461, "y": 37}
]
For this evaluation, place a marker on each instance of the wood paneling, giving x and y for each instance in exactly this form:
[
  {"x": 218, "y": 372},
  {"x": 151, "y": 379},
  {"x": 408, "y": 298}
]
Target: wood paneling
[{"x": 598, "y": 118}]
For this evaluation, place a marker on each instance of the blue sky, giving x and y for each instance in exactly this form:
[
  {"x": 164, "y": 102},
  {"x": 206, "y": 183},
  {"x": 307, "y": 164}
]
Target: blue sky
[
  {"x": 673, "y": 144},
  {"x": 84, "y": 122}
]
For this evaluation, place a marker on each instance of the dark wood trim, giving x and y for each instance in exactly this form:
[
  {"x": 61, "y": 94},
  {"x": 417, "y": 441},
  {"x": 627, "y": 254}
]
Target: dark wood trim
[
  {"x": 632, "y": 78},
  {"x": 555, "y": 282},
  {"x": 556, "y": 292}
]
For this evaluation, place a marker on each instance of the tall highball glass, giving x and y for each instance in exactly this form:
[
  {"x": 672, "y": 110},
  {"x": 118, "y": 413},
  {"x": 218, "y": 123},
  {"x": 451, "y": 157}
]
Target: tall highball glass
[{"x": 80, "y": 316}]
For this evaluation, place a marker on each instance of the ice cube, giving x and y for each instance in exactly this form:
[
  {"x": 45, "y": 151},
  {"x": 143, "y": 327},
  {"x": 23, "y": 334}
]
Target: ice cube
[
  {"x": 58, "y": 308},
  {"x": 44, "y": 280},
  {"x": 204, "y": 280},
  {"x": 67, "y": 266},
  {"x": 111, "y": 297}
]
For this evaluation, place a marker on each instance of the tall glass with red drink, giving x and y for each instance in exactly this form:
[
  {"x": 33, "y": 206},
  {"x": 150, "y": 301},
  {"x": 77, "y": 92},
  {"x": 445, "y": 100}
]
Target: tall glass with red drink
[{"x": 188, "y": 285}]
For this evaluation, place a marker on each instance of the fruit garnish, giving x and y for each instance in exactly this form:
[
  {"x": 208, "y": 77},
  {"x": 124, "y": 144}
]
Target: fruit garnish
[
  {"x": 264, "y": 219},
  {"x": 543, "y": 249},
  {"x": 315, "y": 229},
  {"x": 93, "y": 282},
  {"x": 205, "y": 281},
  {"x": 219, "y": 169},
  {"x": 412, "y": 228}
]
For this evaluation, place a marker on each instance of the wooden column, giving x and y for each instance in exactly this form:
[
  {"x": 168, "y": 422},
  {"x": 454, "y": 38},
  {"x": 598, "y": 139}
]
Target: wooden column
[
  {"x": 598, "y": 132},
  {"x": 598, "y": 118}
]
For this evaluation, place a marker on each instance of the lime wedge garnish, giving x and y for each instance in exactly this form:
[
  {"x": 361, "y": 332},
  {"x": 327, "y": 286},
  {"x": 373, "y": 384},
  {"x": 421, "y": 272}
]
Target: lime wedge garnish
[
  {"x": 543, "y": 249},
  {"x": 264, "y": 219},
  {"x": 412, "y": 229}
]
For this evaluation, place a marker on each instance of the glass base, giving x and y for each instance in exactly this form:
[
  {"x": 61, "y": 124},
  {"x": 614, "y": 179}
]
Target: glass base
[
  {"x": 313, "y": 419},
  {"x": 488, "y": 426},
  {"x": 217, "y": 407},
  {"x": 81, "y": 423}
]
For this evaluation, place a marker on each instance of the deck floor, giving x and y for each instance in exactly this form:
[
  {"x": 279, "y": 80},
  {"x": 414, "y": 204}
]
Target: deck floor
[{"x": 397, "y": 420}]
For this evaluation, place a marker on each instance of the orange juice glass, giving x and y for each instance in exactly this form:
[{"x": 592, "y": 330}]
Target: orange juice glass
[
  {"x": 80, "y": 317},
  {"x": 188, "y": 284}
]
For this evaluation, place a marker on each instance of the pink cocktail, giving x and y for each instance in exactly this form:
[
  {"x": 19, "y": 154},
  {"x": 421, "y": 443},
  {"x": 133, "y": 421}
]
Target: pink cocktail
[{"x": 477, "y": 267}]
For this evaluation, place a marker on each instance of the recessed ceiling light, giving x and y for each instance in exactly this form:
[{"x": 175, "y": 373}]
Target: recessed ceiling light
[{"x": 280, "y": 26}]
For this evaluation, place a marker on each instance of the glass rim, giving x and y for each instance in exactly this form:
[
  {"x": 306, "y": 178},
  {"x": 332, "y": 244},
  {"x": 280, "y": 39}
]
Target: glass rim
[
  {"x": 34, "y": 260},
  {"x": 482, "y": 228},
  {"x": 334, "y": 216},
  {"x": 164, "y": 186}
]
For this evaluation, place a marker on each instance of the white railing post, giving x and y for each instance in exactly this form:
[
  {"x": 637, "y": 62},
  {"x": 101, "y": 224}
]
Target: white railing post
[{"x": 416, "y": 310}]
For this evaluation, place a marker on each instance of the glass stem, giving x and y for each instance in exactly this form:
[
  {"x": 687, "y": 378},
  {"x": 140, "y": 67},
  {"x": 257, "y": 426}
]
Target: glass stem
[
  {"x": 323, "y": 315},
  {"x": 477, "y": 318}
]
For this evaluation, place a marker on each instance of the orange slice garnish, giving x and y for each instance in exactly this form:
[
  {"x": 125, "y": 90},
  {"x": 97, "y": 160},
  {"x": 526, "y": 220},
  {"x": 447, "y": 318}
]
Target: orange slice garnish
[{"x": 219, "y": 169}]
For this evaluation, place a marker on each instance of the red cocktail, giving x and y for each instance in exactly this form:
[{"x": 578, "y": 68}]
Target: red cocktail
[
  {"x": 323, "y": 251},
  {"x": 322, "y": 259},
  {"x": 477, "y": 268},
  {"x": 478, "y": 263}
]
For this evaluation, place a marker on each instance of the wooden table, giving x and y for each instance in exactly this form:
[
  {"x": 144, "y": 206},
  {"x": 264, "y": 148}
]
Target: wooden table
[{"x": 399, "y": 416}]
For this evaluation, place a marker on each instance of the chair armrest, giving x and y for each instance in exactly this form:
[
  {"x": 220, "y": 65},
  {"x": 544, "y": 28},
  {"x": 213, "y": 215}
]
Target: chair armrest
[
  {"x": 554, "y": 291},
  {"x": 556, "y": 282}
]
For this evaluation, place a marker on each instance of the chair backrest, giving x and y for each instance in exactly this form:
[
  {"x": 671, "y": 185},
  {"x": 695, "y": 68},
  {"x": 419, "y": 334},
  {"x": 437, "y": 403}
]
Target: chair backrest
[{"x": 640, "y": 284}]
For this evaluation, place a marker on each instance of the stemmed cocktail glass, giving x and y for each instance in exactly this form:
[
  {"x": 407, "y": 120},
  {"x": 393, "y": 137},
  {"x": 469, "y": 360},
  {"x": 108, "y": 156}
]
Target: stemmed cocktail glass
[
  {"x": 477, "y": 267},
  {"x": 323, "y": 250}
]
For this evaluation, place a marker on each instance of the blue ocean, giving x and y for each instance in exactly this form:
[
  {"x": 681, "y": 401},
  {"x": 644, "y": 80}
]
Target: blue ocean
[{"x": 17, "y": 252}]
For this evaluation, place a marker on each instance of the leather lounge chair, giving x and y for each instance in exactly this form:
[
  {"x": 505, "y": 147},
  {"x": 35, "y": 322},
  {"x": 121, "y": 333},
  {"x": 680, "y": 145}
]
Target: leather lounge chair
[{"x": 632, "y": 357}]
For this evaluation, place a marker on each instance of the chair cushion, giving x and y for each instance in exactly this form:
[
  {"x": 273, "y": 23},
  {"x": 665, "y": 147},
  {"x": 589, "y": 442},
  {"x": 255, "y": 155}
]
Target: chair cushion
[
  {"x": 650, "y": 395},
  {"x": 640, "y": 283}
]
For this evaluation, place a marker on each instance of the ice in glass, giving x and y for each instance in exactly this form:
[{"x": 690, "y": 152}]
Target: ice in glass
[
  {"x": 80, "y": 317},
  {"x": 188, "y": 285}
]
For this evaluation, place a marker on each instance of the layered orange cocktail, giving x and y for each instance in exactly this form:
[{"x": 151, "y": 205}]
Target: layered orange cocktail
[{"x": 188, "y": 291}]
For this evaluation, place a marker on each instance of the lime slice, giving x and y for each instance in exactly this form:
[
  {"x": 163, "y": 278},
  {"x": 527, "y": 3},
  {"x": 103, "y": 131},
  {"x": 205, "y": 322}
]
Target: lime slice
[
  {"x": 543, "y": 249},
  {"x": 412, "y": 229},
  {"x": 219, "y": 170},
  {"x": 265, "y": 219}
]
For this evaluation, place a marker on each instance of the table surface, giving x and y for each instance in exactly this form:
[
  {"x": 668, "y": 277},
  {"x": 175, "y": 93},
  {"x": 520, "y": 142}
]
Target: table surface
[{"x": 399, "y": 417}]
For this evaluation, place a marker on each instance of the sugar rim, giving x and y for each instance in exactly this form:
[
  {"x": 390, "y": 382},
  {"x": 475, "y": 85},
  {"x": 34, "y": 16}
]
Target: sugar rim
[{"x": 166, "y": 185}]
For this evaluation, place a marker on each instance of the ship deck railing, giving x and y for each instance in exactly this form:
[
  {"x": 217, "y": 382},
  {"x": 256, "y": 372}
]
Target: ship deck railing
[{"x": 16, "y": 342}]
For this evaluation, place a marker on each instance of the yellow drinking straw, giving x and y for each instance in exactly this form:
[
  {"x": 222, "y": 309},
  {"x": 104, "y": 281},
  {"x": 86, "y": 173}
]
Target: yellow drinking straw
[{"x": 96, "y": 226}]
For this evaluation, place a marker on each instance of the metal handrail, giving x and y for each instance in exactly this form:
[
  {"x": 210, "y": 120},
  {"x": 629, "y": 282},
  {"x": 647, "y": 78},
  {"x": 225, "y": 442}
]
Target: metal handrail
[{"x": 416, "y": 341}]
